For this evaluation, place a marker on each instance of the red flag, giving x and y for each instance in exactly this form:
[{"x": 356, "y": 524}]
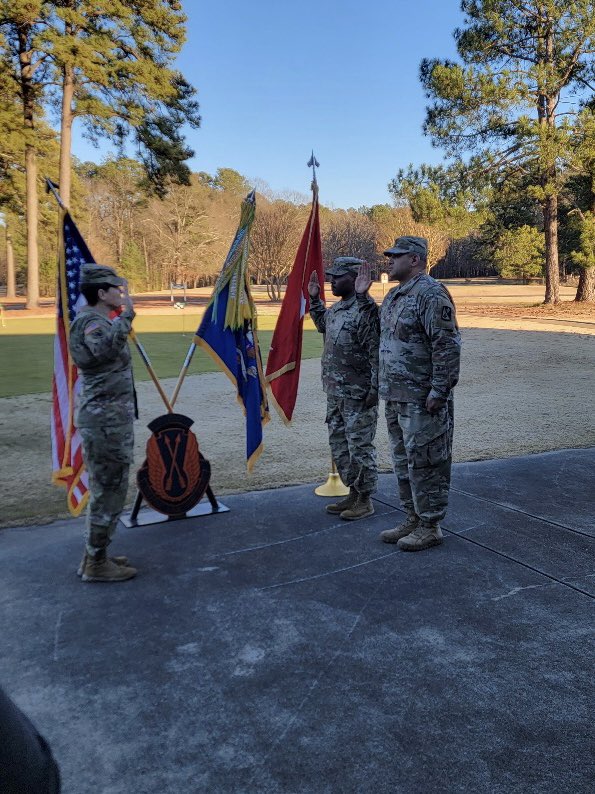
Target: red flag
[{"x": 285, "y": 355}]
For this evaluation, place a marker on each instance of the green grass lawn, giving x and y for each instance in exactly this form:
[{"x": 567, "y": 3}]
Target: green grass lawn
[{"x": 26, "y": 349}]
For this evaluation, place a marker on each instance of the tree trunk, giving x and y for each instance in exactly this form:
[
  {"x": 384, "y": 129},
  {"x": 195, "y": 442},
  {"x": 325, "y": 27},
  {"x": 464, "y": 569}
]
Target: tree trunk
[
  {"x": 550, "y": 212},
  {"x": 119, "y": 241},
  {"x": 32, "y": 222},
  {"x": 546, "y": 110},
  {"x": 11, "y": 290},
  {"x": 585, "y": 292},
  {"x": 66, "y": 134},
  {"x": 552, "y": 268},
  {"x": 31, "y": 209},
  {"x": 147, "y": 267}
]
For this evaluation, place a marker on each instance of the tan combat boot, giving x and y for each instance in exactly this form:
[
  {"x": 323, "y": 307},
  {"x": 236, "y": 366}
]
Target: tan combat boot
[
  {"x": 362, "y": 508},
  {"x": 117, "y": 560},
  {"x": 101, "y": 569},
  {"x": 337, "y": 507},
  {"x": 421, "y": 538},
  {"x": 410, "y": 523}
]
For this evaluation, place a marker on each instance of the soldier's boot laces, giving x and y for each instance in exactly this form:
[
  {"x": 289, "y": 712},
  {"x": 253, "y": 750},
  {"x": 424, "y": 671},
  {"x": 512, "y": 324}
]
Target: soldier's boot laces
[
  {"x": 337, "y": 507},
  {"x": 117, "y": 560},
  {"x": 410, "y": 523},
  {"x": 362, "y": 508},
  {"x": 102, "y": 569},
  {"x": 421, "y": 538}
]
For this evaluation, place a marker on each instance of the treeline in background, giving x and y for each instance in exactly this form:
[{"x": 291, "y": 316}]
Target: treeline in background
[{"x": 514, "y": 116}]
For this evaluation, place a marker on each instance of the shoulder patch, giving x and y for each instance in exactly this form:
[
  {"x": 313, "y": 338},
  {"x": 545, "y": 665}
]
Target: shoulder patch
[
  {"x": 93, "y": 326},
  {"x": 446, "y": 313}
]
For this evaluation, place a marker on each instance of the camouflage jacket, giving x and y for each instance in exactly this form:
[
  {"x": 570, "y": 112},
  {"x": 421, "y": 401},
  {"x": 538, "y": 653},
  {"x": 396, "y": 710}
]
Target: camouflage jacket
[
  {"x": 350, "y": 356},
  {"x": 420, "y": 344},
  {"x": 99, "y": 348}
]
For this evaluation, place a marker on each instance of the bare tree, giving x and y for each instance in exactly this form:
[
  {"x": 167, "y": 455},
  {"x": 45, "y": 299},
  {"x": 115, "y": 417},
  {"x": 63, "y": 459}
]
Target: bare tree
[
  {"x": 180, "y": 233},
  {"x": 349, "y": 233},
  {"x": 274, "y": 241}
]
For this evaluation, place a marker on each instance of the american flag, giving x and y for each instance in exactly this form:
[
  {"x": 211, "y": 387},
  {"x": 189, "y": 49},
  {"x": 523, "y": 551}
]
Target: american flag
[{"x": 68, "y": 469}]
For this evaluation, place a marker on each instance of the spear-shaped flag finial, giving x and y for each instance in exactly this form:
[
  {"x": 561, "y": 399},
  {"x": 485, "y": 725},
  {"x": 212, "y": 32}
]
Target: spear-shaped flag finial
[
  {"x": 313, "y": 164},
  {"x": 53, "y": 188}
]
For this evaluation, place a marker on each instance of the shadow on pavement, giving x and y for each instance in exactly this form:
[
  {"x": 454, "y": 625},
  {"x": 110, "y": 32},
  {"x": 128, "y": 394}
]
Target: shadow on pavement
[{"x": 276, "y": 648}]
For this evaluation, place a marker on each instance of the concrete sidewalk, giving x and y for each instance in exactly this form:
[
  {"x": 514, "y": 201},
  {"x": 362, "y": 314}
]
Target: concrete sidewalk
[{"x": 275, "y": 648}]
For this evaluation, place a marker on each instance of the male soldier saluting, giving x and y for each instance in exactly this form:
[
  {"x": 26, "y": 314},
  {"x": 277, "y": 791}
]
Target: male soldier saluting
[
  {"x": 350, "y": 379},
  {"x": 420, "y": 350},
  {"x": 105, "y": 413}
]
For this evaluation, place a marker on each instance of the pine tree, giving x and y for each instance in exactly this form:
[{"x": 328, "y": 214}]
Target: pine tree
[
  {"x": 506, "y": 105},
  {"x": 24, "y": 71},
  {"x": 109, "y": 63},
  {"x": 582, "y": 163},
  {"x": 114, "y": 63}
]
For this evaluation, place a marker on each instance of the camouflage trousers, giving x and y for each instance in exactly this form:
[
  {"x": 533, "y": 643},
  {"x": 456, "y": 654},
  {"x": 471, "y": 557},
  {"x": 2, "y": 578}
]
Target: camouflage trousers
[
  {"x": 421, "y": 446},
  {"x": 107, "y": 453},
  {"x": 351, "y": 431}
]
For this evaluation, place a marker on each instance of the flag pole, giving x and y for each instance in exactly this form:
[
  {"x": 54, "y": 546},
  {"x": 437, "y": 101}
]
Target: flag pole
[
  {"x": 183, "y": 373},
  {"x": 51, "y": 187},
  {"x": 334, "y": 485},
  {"x": 143, "y": 354},
  {"x": 313, "y": 164}
]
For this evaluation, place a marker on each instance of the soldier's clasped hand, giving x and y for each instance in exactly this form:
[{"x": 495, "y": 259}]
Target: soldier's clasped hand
[
  {"x": 434, "y": 405},
  {"x": 372, "y": 398}
]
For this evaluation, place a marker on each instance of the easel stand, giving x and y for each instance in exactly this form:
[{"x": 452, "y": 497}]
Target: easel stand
[{"x": 150, "y": 516}]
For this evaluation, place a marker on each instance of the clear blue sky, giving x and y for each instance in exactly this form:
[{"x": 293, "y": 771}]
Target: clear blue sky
[{"x": 276, "y": 79}]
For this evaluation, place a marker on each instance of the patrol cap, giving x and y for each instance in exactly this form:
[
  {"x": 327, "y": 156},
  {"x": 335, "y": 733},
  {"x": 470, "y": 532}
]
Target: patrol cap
[
  {"x": 409, "y": 245},
  {"x": 92, "y": 274},
  {"x": 343, "y": 265}
]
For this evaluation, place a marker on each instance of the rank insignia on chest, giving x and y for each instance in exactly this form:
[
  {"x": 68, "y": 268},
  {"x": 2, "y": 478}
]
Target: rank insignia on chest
[{"x": 446, "y": 313}]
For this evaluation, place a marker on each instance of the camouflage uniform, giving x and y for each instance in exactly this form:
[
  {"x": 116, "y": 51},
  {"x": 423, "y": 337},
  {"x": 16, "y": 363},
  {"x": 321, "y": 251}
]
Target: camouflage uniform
[
  {"x": 420, "y": 348},
  {"x": 105, "y": 411},
  {"x": 349, "y": 373}
]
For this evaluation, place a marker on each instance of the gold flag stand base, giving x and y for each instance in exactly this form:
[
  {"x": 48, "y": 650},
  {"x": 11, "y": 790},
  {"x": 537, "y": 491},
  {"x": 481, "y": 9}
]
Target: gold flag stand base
[{"x": 333, "y": 486}]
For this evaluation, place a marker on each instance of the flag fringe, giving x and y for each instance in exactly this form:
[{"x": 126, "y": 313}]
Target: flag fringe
[
  {"x": 217, "y": 359},
  {"x": 279, "y": 372},
  {"x": 76, "y": 510},
  {"x": 58, "y": 477},
  {"x": 255, "y": 455},
  {"x": 280, "y": 411}
]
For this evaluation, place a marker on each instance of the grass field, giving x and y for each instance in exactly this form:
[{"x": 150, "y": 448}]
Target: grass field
[
  {"x": 525, "y": 369},
  {"x": 26, "y": 350}
]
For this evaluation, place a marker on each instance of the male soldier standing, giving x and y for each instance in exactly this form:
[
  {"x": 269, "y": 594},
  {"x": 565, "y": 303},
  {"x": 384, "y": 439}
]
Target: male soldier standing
[
  {"x": 420, "y": 350},
  {"x": 350, "y": 380},
  {"x": 105, "y": 413}
]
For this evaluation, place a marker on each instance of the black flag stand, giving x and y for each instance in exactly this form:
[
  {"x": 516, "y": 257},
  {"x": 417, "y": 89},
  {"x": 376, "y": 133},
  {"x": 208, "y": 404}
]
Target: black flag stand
[{"x": 150, "y": 516}]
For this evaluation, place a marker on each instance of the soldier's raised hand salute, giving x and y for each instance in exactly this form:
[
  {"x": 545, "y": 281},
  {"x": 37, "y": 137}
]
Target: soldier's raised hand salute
[
  {"x": 126, "y": 299},
  {"x": 363, "y": 282},
  {"x": 314, "y": 285}
]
